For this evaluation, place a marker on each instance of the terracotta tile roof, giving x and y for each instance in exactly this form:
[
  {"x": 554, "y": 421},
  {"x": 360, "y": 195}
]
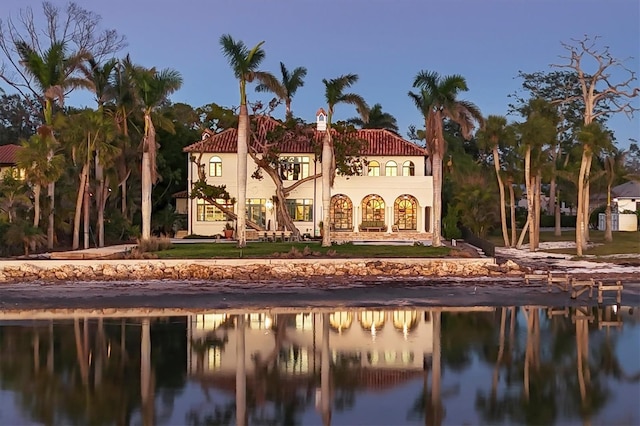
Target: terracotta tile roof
[
  {"x": 8, "y": 154},
  {"x": 380, "y": 142}
]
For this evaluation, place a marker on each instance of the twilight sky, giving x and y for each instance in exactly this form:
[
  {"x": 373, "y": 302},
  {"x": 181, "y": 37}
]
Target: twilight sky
[{"x": 385, "y": 42}]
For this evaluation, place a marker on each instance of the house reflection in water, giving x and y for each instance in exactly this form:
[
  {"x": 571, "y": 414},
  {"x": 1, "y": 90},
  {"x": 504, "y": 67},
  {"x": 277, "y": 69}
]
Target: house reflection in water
[{"x": 396, "y": 340}]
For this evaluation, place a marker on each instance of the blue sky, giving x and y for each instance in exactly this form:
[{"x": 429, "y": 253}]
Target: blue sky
[{"x": 385, "y": 42}]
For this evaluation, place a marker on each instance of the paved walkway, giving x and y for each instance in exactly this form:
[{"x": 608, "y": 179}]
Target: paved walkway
[{"x": 109, "y": 252}]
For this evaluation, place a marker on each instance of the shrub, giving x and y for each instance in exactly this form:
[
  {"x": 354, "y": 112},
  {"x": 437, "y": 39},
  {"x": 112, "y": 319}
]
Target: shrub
[{"x": 153, "y": 244}]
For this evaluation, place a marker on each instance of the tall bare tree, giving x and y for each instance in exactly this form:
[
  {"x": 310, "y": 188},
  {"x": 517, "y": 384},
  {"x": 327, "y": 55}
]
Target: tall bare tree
[{"x": 598, "y": 89}]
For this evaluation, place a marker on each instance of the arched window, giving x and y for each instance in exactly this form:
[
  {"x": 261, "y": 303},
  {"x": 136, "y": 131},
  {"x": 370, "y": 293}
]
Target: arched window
[
  {"x": 341, "y": 213},
  {"x": 391, "y": 168},
  {"x": 408, "y": 168},
  {"x": 405, "y": 213},
  {"x": 215, "y": 166},
  {"x": 373, "y": 168},
  {"x": 373, "y": 211}
]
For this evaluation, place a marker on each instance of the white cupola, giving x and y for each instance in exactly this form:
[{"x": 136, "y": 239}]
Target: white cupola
[{"x": 321, "y": 120}]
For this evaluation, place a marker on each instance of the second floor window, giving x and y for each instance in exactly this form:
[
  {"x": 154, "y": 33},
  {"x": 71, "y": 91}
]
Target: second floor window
[
  {"x": 294, "y": 168},
  {"x": 373, "y": 169},
  {"x": 215, "y": 166},
  {"x": 391, "y": 169},
  {"x": 408, "y": 169}
]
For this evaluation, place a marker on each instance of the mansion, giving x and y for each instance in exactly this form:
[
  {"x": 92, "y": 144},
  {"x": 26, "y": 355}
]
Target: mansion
[{"x": 390, "y": 199}]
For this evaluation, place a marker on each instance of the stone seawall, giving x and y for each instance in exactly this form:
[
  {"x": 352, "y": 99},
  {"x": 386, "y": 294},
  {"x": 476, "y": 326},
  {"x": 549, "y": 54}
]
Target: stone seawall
[{"x": 247, "y": 269}]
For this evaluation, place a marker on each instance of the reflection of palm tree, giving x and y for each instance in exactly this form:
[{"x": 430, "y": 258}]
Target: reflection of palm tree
[
  {"x": 325, "y": 373},
  {"x": 146, "y": 375},
  {"x": 241, "y": 373}
]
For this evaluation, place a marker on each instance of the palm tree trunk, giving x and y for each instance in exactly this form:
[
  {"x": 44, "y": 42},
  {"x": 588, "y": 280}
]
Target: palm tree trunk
[
  {"x": 530, "y": 196},
  {"x": 86, "y": 210},
  {"x": 51, "y": 225},
  {"x": 503, "y": 213},
  {"x": 148, "y": 174},
  {"x": 556, "y": 211},
  {"x": 580, "y": 220},
  {"x": 437, "y": 197},
  {"x": 512, "y": 202},
  {"x": 537, "y": 208},
  {"x": 146, "y": 196},
  {"x": 79, "y": 201},
  {"x": 100, "y": 196},
  {"x": 587, "y": 187},
  {"x": 327, "y": 153},
  {"x": 243, "y": 135},
  {"x": 36, "y": 205}
]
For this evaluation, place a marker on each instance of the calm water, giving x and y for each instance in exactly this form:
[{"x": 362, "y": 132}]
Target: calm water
[{"x": 526, "y": 365}]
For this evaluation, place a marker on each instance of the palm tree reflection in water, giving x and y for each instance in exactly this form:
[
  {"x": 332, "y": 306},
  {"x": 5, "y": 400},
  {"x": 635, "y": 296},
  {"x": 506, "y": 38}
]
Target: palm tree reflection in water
[{"x": 541, "y": 366}]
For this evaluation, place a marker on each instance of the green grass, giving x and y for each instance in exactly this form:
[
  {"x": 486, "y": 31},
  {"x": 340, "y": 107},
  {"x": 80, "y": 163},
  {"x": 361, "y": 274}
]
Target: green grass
[
  {"x": 623, "y": 242},
  {"x": 267, "y": 249}
]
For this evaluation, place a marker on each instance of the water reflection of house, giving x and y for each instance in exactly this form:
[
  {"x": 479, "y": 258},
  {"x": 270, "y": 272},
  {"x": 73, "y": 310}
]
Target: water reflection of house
[{"x": 379, "y": 347}]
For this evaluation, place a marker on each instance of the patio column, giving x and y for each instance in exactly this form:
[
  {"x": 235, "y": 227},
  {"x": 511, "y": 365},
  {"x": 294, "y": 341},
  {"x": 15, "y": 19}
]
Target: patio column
[{"x": 355, "y": 219}]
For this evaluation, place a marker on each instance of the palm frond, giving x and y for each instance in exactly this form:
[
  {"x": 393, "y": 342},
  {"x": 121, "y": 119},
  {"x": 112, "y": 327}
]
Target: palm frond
[
  {"x": 359, "y": 102},
  {"x": 269, "y": 83},
  {"x": 426, "y": 80}
]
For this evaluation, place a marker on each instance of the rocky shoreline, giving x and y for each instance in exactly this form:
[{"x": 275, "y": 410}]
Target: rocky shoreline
[{"x": 251, "y": 269}]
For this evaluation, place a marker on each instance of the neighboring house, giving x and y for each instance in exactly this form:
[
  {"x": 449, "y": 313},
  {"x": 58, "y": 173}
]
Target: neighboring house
[
  {"x": 182, "y": 202},
  {"x": 627, "y": 196},
  {"x": 392, "y": 199},
  {"x": 8, "y": 161}
]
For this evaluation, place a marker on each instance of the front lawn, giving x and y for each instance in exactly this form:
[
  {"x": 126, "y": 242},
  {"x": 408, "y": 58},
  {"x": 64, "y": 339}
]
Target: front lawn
[
  {"x": 279, "y": 249},
  {"x": 623, "y": 242}
]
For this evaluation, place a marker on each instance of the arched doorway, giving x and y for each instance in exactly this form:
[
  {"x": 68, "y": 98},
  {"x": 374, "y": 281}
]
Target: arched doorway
[
  {"x": 405, "y": 213},
  {"x": 373, "y": 212},
  {"x": 341, "y": 213}
]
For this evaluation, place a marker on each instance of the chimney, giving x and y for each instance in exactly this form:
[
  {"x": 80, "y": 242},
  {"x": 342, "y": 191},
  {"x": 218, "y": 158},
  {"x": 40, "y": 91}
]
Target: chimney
[{"x": 321, "y": 120}]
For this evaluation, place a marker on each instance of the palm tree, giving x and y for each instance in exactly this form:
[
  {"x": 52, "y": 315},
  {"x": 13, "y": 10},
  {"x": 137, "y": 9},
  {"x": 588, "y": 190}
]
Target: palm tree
[
  {"x": 334, "y": 94},
  {"x": 87, "y": 133},
  {"x": 40, "y": 168},
  {"x": 244, "y": 63},
  {"x": 437, "y": 101},
  {"x": 152, "y": 88},
  {"x": 377, "y": 120},
  {"x": 124, "y": 104},
  {"x": 12, "y": 195},
  {"x": 593, "y": 137},
  {"x": 539, "y": 129},
  {"x": 490, "y": 136},
  {"x": 53, "y": 77},
  {"x": 285, "y": 89},
  {"x": 101, "y": 77}
]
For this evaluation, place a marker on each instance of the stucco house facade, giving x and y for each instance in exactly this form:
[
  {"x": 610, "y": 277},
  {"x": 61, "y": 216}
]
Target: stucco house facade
[{"x": 391, "y": 199}]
